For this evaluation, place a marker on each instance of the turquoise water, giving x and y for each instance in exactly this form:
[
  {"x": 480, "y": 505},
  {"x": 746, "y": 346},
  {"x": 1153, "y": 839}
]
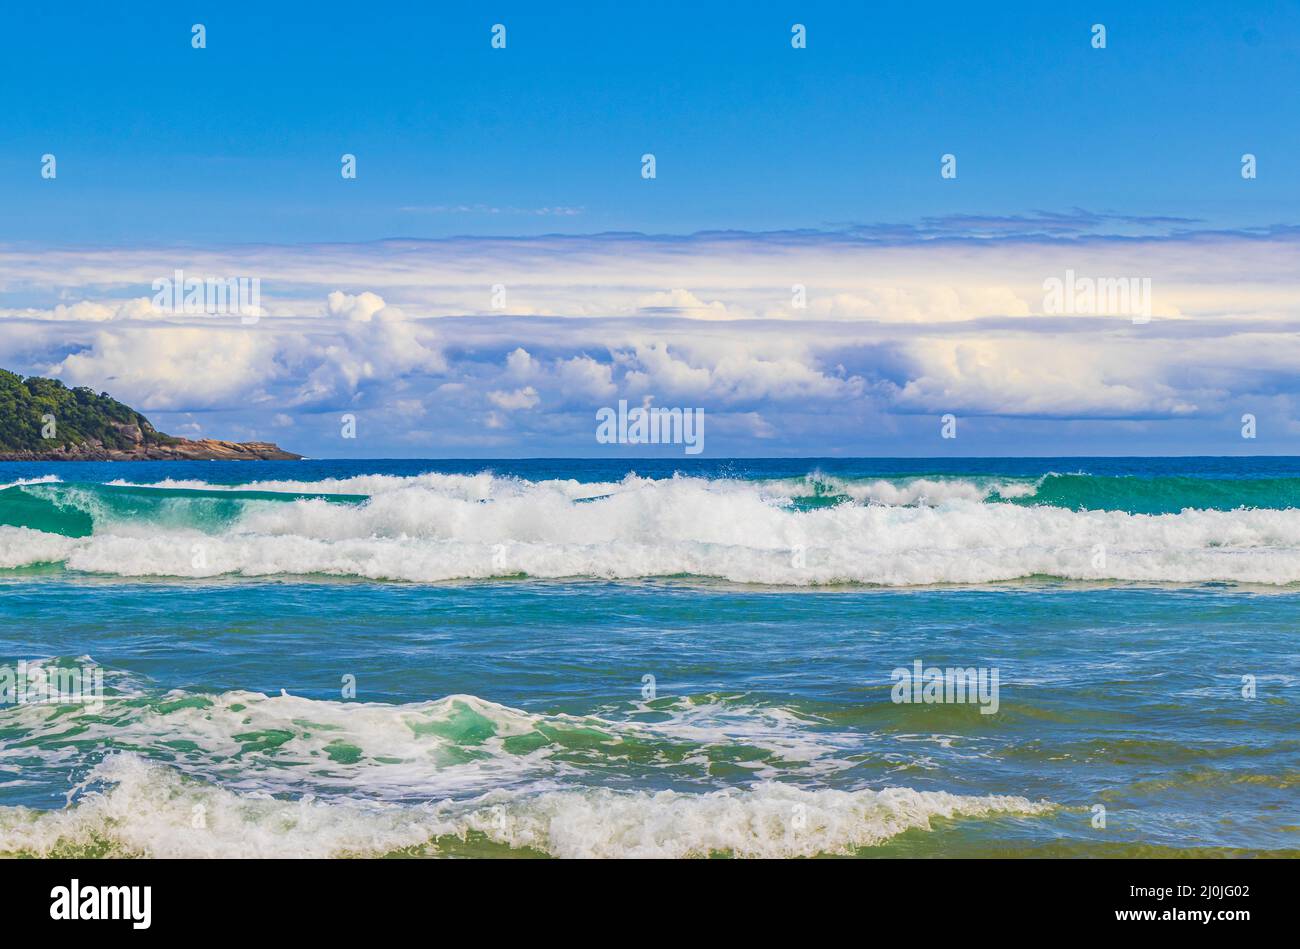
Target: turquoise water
[{"x": 565, "y": 658}]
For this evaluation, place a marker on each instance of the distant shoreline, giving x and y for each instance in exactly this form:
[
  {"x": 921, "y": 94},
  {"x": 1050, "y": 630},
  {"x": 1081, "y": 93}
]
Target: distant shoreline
[{"x": 207, "y": 449}]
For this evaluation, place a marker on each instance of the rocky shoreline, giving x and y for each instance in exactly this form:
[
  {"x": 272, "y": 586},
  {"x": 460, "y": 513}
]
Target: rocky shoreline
[
  {"x": 180, "y": 449},
  {"x": 43, "y": 420}
]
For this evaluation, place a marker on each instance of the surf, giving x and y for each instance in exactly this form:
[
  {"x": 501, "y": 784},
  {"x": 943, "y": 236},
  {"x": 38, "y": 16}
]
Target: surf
[
  {"x": 247, "y": 774},
  {"x": 815, "y": 531}
]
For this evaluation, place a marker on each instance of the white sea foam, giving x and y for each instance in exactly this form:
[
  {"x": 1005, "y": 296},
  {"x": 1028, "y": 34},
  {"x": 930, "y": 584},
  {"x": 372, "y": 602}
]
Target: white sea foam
[
  {"x": 245, "y": 774},
  {"x": 143, "y": 808},
  {"x": 450, "y": 527},
  {"x": 22, "y": 547},
  {"x": 910, "y": 491},
  {"x": 454, "y": 746},
  {"x": 476, "y": 487},
  {"x": 486, "y": 486},
  {"x": 43, "y": 479}
]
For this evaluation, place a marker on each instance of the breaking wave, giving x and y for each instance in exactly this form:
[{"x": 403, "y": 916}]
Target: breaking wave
[
  {"x": 807, "y": 531},
  {"x": 241, "y": 774}
]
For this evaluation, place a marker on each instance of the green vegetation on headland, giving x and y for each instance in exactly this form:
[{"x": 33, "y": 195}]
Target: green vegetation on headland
[
  {"x": 44, "y": 420},
  {"x": 43, "y": 415}
]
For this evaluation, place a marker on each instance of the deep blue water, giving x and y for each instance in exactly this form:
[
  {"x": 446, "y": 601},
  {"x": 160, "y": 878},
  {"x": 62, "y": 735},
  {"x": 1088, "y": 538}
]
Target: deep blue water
[{"x": 600, "y": 469}]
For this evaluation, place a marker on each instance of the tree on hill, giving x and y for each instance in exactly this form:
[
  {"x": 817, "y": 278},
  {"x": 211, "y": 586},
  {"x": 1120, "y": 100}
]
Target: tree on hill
[{"x": 80, "y": 415}]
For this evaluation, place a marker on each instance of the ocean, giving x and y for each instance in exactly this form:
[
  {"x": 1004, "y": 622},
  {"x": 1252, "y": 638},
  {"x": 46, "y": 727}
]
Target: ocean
[{"x": 567, "y": 658}]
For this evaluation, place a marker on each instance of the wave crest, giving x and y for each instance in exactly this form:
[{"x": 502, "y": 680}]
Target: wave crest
[
  {"x": 146, "y": 809},
  {"x": 791, "y": 533}
]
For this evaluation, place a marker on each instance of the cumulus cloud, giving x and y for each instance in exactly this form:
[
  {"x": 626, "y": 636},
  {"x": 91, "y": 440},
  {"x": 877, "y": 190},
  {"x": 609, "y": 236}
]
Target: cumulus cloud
[
  {"x": 174, "y": 367},
  {"x": 361, "y": 307},
  {"x": 520, "y": 364},
  {"x": 734, "y": 370},
  {"x": 525, "y": 398},
  {"x": 1032, "y": 377},
  {"x": 91, "y": 311},
  {"x": 584, "y": 377},
  {"x": 221, "y": 363},
  {"x": 681, "y": 302},
  {"x": 894, "y": 326},
  {"x": 375, "y": 342}
]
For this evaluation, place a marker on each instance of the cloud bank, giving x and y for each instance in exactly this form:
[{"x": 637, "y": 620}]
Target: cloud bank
[{"x": 837, "y": 342}]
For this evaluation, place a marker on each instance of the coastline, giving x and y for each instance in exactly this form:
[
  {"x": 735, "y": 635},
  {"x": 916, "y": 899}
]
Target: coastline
[{"x": 207, "y": 449}]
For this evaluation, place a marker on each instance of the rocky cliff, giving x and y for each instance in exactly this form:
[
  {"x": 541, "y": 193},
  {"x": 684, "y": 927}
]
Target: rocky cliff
[{"x": 44, "y": 420}]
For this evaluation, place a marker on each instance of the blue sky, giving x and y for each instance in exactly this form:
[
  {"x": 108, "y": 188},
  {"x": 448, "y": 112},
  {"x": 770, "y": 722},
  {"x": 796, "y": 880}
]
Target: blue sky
[
  {"x": 245, "y": 136},
  {"x": 521, "y": 167}
]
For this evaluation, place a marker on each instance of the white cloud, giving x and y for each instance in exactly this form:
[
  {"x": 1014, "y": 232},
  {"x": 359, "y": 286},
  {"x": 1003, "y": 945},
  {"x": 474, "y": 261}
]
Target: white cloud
[
  {"x": 361, "y": 308},
  {"x": 91, "y": 311},
  {"x": 582, "y": 376},
  {"x": 174, "y": 367},
  {"x": 525, "y": 398},
  {"x": 732, "y": 369},
  {"x": 375, "y": 342},
  {"x": 682, "y": 302},
  {"x": 1026, "y": 376},
  {"x": 521, "y": 365},
  {"x": 890, "y": 329}
]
